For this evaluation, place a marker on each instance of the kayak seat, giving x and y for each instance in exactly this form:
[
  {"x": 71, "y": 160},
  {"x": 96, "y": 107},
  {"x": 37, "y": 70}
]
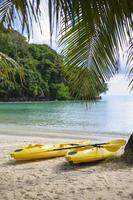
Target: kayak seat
[
  {"x": 72, "y": 152},
  {"x": 17, "y": 150},
  {"x": 75, "y": 144}
]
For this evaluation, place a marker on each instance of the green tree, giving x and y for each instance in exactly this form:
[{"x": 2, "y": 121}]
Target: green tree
[
  {"x": 59, "y": 91},
  {"x": 91, "y": 31},
  {"x": 42, "y": 67}
]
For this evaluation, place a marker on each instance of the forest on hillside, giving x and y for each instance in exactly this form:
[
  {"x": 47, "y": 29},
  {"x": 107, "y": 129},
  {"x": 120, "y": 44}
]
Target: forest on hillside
[{"x": 43, "y": 73}]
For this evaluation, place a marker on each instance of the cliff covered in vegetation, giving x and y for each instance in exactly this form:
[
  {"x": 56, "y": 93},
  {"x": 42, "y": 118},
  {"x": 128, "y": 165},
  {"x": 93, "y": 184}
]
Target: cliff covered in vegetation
[{"x": 43, "y": 71}]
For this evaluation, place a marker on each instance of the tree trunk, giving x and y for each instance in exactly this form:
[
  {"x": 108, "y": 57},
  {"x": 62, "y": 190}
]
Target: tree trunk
[{"x": 128, "y": 151}]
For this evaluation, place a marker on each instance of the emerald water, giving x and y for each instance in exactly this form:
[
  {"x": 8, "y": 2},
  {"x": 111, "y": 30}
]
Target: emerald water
[{"x": 107, "y": 115}]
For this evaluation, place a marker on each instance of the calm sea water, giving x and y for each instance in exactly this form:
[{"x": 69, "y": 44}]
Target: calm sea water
[{"x": 107, "y": 115}]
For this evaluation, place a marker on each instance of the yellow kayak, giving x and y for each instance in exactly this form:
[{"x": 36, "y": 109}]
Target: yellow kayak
[
  {"x": 97, "y": 152},
  {"x": 39, "y": 151}
]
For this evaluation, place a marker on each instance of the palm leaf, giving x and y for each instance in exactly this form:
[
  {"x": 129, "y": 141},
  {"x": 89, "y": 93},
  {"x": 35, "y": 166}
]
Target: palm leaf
[
  {"x": 91, "y": 31},
  {"x": 84, "y": 83},
  {"x": 19, "y": 12},
  {"x": 9, "y": 68}
]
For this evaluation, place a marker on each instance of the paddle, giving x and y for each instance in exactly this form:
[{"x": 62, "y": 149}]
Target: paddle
[{"x": 112, "y": 144}]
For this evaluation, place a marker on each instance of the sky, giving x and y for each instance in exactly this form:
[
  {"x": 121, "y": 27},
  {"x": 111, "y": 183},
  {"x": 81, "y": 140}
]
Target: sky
[
  {"x": 43, "y": 37},
  {"x": 118, "y": 85}
]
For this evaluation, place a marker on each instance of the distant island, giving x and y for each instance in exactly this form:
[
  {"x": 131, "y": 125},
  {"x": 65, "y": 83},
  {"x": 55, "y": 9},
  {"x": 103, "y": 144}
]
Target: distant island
[{"x": 44, "y": 77}]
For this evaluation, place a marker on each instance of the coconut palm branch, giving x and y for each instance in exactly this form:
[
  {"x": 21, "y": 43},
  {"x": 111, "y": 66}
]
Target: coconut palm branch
[
  {"x": 9, "y": 68},
  {"x": 14, "y": 12},
  {"x": 91, "y": 33},
  {"x": 23, "y": 12}
]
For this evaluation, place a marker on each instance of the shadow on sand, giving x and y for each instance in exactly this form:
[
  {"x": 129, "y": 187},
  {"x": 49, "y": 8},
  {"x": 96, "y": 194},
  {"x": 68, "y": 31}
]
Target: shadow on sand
[
  {"x": 65, "y": 166},
  {"x": 22, "y": 162},
  {"x": 106, "y": 165}
]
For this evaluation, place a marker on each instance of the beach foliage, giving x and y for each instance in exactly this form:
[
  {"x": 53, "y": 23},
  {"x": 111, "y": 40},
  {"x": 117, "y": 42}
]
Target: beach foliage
[
  {"x": 42, "y": 69},
  {"x": 42, "y": 74},
  {"x": 92, "y": 32}
]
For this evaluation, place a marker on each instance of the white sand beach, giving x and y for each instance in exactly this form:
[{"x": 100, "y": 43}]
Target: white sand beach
[{"x": 55, "y": 178}]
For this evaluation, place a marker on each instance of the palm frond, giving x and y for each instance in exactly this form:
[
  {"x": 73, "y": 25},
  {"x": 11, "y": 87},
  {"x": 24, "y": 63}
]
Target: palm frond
[
  {"x": 21, "y": 12},
  {"x": 9, "y": 68},
  {"x": 91, "y": 31},
  {"x": 130, "y": 63},
  {"x": 84, "y": 83}
]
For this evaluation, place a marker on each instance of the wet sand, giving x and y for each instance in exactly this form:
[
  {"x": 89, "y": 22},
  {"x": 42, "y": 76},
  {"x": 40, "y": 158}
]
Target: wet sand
[{"x": 55, "y": 178}]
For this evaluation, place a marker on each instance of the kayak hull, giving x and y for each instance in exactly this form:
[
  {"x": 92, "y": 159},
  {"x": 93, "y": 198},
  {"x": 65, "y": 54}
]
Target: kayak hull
[
  {"x": 39, "y": 151},
  {"x": 92, "y": 154}
]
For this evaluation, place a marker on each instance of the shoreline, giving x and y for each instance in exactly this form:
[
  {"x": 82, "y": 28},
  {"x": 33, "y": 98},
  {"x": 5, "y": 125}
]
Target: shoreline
[
  {"x": 30, "y": 131},
  {"x": 56, "y": 179},
  {"x": 38, "y": 99}
]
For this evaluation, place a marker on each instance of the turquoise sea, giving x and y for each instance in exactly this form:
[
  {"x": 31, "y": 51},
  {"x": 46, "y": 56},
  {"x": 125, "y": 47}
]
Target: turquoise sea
[{"x": 106, "y": 115}]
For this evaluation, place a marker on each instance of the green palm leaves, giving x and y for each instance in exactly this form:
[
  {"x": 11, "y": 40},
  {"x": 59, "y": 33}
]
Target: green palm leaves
[
  {"x": 19, "y": 12},
  {"x": 9, "y": 72},
  {"x": 91, "y": 32}
]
